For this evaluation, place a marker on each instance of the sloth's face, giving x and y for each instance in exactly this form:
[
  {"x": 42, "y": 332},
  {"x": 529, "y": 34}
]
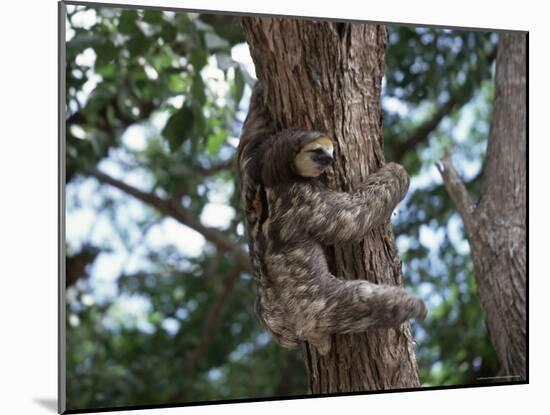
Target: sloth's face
[{"x": 315, "y": 157}]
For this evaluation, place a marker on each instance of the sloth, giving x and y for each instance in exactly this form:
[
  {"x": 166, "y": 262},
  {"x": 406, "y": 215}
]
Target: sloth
[{"x": 291, "y": 216}]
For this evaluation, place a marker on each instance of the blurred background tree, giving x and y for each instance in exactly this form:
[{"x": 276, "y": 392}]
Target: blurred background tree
[{"x": 159, "y": 295}]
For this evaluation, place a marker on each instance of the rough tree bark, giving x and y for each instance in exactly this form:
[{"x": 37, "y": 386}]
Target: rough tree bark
[
  {"x": 327, "y": 76},
  {"x": 496, "y": 228}
]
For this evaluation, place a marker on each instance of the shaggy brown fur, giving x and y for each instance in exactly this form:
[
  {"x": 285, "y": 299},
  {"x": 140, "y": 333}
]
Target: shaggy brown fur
[{"x": 289, "y": 220}]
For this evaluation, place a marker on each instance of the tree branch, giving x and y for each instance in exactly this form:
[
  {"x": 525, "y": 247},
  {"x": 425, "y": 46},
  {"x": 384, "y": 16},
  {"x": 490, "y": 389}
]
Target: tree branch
[
  {"x": 212, "y": 322},
  {"x": 172, "y": 208},
  {"x": 456, "y": 99},
  {"x": 423, "y": 131},
  {"x": 408, "y": 224},
  {"x": 215, "y": 313},
  {"x": 76, "y": 264},
  {"x": 216, "y": 168},
  {"x": 458, "y": 192},
  {"x": 204, "y": 172},
  {"x": 102, "y": 122}
]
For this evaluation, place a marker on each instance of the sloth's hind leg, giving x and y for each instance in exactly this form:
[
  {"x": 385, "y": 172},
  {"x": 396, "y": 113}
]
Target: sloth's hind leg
[
  {"x": 335, "y": 306},
  {"x": 389, "y": 306}
]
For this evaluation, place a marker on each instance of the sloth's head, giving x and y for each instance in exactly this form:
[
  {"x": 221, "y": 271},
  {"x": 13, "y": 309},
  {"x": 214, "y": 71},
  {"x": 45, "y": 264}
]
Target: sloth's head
[
  {"x": 314, "y": 157},
  {"x": 295, "y": 153}
]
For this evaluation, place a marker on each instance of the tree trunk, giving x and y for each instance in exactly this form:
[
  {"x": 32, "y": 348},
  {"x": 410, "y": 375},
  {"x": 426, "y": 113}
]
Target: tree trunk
[
  {"x": 496, "y": 229},
  {"x": 327, "y": 76}
]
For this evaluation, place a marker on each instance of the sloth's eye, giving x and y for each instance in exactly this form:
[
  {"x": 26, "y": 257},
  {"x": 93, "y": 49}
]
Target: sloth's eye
[{"x": 317, "y": 151}]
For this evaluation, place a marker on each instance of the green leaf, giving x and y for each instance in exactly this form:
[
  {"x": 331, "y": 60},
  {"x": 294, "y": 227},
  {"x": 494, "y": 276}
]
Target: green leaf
[
  {"x": 152, "y": 17},
  {"x": 215, "y": 142},
  {"x": 81, "y": 42},
  {"x": 198, "y": 58},
  {"x": 106, "y": 52},
  {"x": 168, "y": 32},
  {"x": 176, "y": 83},
  {"x": 162, "y": 62},
  {"x": 138, "y": 44},
  {"x": 107, "y": 71},
  {"x": 178, "y": 127},
  {"x": 232, "y": 33},
  {"x": 198, "y": 90},
  {"x": 127, "y": 22},
  {"x": 237, "y": 88}
]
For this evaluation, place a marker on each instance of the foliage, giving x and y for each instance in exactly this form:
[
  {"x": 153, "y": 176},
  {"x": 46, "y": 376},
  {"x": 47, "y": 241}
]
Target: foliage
[
  {"x": 155, "y": 100},
  {"x": 447, "y": 66}
]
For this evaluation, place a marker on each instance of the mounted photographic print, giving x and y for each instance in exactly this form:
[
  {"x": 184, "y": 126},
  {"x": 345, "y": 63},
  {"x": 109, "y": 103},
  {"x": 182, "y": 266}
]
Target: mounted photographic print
[{"x": 273, "y": 207}]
